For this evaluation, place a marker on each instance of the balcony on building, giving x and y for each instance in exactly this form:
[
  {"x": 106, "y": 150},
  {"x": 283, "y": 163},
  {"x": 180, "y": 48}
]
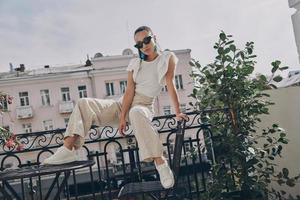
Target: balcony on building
[
  {"x": 24, "y": 112},
  {"x": 66, "y": 107}
]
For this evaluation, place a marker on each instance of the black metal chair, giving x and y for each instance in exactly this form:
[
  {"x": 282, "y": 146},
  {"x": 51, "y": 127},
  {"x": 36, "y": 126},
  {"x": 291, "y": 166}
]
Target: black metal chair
[{"x": 154, "y": 188}]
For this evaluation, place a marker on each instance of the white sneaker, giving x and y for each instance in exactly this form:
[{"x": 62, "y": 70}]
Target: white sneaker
[
  {"x": 61, "y": 156},
  {"x": 165, "y": 174}
]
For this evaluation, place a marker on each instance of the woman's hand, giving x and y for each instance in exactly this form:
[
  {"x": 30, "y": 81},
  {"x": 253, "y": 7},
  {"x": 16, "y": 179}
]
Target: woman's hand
[
  {"x": 181, "y": 116},
  {"x": 122, "y": 126},
  {"x": 126, "y": 102}
]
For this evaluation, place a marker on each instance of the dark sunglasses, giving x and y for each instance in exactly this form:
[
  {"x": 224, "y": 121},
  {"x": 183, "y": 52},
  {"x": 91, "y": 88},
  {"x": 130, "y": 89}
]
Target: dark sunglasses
[{"x": 146, "y": 40}]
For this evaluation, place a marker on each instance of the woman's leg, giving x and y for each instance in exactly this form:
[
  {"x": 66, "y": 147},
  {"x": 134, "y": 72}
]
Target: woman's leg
[
  {"x": 70, "y": 140},
  {"x": 150, "y": 146},
  {"x": 87, "y": 111},
  {"x": 159, "y": 160}
]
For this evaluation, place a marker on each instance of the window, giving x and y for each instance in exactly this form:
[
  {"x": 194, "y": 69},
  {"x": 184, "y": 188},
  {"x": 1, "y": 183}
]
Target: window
[
  {"x": 65, "y": 93},
  {"x": 110, "y": 89},
  {"x": 187, "y": 146},
  {"x": 171, "y": 146},
  {"x": 118, "y": 155},
  {"x": 66, "y": 120},
  {"x": 3, "y": 103},
  {"x": 123, "y": 85},
  {"x": 24, "y": 99},
  {"x": 167, "y": 110},
  {"x": 45, "y": 97},
  {"x": 27, "y": 128},
  {"x": 82, "y": 91},
  {"x": 178, "y": 81},
  {"x": 164, "y": 89},
  {"x": 182, "y": 108},
  {"x": 48, "y": 125}
]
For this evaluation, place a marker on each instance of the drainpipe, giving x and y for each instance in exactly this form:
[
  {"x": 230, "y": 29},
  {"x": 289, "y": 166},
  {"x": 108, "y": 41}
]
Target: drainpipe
[{"x": 296, "y": 22}]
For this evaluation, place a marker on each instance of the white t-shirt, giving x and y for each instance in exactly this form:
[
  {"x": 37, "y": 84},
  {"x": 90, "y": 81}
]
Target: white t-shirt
[{"x": 149, "y": 77}]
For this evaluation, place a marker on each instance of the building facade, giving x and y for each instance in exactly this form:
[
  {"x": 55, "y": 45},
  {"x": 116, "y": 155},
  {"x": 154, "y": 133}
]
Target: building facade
[{"x": 43, "y": 99}]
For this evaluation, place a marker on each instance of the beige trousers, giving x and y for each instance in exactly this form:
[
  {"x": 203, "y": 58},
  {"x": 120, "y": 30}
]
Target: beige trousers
[{"x": 105, "y": 112}]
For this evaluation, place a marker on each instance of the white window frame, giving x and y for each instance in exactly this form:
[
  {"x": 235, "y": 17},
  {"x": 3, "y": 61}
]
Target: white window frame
[
  {"x": 48, "y": 125},
  {"x": 4, "y": 103},
  {"x": 27, "y": 128},
  {"x": 65, "y": 94},
  {"x": 24, "y": 98},
  {"x": 66, "y": 120},
  {"x": 171, "y": 146},
  {"x": 164, "y": 89},
  {"x": 45, "y": 96},
  {"x": 123, "y": 86},
  {"x": 109, "y": 89},
  {"x": 167, "y": 110},
  {"x": 82, "y": 91},
  {"x": 178, "y": 82},
  {"x": 118, "y": 155},
  {"x": 182, "y": 107},
  {"x": 187, "y": 146}
]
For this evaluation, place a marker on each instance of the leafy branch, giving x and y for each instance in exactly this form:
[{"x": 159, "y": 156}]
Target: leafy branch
[
  {"x": 7, "y": 138},
  {"x": 245, "y": 156}
]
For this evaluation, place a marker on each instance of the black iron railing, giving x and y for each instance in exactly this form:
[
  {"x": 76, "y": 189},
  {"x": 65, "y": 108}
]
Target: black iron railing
[{"x": 113, "y": 169}]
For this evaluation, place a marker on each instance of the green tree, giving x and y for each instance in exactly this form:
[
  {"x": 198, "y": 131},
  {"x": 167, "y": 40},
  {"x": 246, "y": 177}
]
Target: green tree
[{"x": 244, "y": 166}]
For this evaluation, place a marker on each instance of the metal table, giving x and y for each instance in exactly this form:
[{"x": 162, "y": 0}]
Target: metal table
[{"x": 34, "y": 171}]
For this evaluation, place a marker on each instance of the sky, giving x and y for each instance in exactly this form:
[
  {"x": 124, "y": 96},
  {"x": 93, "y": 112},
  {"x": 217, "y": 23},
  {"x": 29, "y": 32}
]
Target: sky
[{"x": 63, "y": 32}]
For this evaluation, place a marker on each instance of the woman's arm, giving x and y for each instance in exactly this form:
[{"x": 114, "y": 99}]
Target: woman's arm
[
  {"x": 172, "y": 89},
  {"x": 126, "y": 102}
]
